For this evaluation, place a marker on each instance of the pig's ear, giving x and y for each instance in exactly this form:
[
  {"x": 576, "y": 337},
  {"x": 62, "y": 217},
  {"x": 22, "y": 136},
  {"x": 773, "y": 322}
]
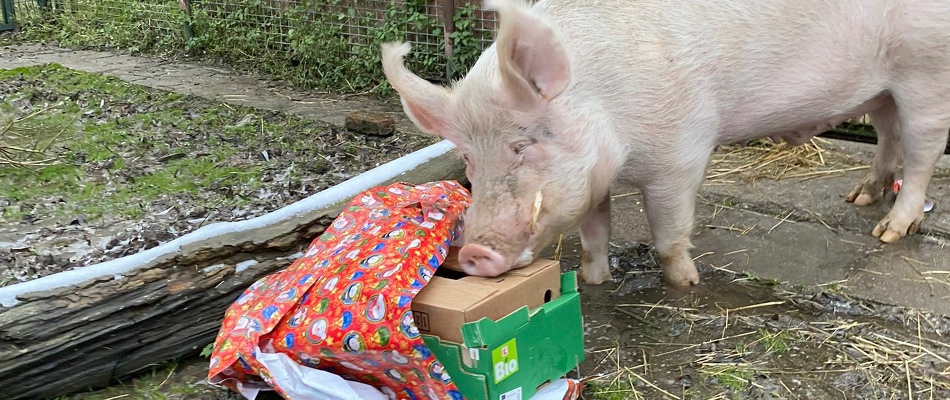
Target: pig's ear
[
  {"x": 424, "y": 102},
  {"x": 532, "y": 57}
]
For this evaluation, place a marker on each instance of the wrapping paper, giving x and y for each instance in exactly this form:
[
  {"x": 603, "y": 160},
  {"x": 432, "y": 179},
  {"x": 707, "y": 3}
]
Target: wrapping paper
[
  {"x": 344, "y": 306},
  {"x": 336, "y": 324}
]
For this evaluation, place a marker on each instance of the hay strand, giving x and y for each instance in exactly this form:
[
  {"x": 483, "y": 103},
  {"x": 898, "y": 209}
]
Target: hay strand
[{"x": 764, "y": 159}]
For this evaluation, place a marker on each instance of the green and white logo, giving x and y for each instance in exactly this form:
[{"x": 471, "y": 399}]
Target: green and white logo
[{"x": 504, "y": 359}]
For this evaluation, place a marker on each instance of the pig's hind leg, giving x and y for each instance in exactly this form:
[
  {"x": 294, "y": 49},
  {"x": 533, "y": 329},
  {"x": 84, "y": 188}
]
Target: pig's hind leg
[
  {"x": 886, "y": 158},
  {"x": 923, "y": 121}
]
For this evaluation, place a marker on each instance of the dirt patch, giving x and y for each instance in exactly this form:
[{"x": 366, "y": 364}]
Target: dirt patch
[
  {"x": 737, "y": 337},
  {"x": 125, "y": 167}
]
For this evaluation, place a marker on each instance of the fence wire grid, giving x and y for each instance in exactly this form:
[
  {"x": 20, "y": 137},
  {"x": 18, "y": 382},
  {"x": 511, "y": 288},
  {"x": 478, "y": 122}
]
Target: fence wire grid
[{"x": 335, "y": 36}]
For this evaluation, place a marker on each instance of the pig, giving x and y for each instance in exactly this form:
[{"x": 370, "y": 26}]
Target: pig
[{"x": 572, "y": 92}]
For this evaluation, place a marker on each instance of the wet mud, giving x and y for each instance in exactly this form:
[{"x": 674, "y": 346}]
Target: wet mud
[{"x": 736, "y": 336}]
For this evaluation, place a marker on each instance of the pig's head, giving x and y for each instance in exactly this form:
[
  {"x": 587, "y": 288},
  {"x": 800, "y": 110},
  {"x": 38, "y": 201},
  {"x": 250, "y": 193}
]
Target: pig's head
[{"x": 520, "y": 136}]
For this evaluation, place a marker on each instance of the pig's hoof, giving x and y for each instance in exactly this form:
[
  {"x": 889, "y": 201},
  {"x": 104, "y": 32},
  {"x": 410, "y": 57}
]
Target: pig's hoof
[
  {"x": 890, "y": 231},
  {"x": 864, "y": 199},
  {"x": 861, "y": 196},
  {"x": 682, "y": 281},
  {"x": 871, "y": 186},
  {"x": 682, "y": 275},
  {"x": 592, "y": 275}
]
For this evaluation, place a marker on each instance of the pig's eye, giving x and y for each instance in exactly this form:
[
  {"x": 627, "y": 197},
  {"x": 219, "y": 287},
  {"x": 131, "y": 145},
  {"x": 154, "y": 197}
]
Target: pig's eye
[
  {"x": 466, "y": 159},
  {"x": 519, "y": 147}
]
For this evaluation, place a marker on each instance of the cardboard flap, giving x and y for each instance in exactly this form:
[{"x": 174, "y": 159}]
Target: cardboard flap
[
  {"x": 474, "y": 385},
  {"x": 568, "y": 282},
  {"x": 441, "y": 305},
  {"x": 517, "y": 273},
  {"x": 452, "y": 294},
  {"x": 486, "y": 332},
  {"x": 451, "y": 298}
]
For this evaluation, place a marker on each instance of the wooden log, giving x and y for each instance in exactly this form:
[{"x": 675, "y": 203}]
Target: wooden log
[{"x": 82, "y": 336}]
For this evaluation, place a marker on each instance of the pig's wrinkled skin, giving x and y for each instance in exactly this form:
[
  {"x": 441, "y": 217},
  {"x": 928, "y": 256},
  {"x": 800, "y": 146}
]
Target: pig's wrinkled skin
[{"x": 573, "y": 91}]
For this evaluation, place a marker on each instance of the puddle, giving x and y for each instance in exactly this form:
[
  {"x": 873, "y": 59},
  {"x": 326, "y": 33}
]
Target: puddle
[{"x": 739, "y": 337}]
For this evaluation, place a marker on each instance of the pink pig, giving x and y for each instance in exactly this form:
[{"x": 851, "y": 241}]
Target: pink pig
[{"x": 574, "y": 91}]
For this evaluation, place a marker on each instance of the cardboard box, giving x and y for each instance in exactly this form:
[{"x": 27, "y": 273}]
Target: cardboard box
[
  {"x": 509, "y": 359},
  {"x": 501, "y": 338},
  {"x": 451, "y": 300}
]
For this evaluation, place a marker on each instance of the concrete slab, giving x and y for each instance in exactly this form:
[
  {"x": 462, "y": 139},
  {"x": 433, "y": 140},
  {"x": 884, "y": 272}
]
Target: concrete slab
[
  {"x": 804, "y": 233},
  {"x": 914, "y": 273}
]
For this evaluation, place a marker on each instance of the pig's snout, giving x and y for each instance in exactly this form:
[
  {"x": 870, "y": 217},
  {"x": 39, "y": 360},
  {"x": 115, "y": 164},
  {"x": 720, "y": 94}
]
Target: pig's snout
[{"x": 478, "y": 260}]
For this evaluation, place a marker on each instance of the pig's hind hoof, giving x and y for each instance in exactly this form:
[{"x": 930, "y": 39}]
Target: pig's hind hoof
[
  {"x": 861, "y": 196},
  {"x": 863, "y": 199},
  {"x": 866, "y": 192},
  {"x": 888, "y": 231},
  {"x": 679, "y": 271}
]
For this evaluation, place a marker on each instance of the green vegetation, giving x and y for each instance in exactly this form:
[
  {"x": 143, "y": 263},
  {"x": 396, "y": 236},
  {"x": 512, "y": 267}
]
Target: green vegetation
[
  {"x": 615, "y": 391},
  {"x": 174, "y": 380},
  {"x": 325, "y": 44},
  {"x": 103, "y": 138},
  {"x": 733, "y": 378},
  {"x": 775, "y": 342}
]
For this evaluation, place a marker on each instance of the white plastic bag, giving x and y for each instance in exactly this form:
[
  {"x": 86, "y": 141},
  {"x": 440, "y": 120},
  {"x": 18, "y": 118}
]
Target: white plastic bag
[{"x": 305, "y": 383}]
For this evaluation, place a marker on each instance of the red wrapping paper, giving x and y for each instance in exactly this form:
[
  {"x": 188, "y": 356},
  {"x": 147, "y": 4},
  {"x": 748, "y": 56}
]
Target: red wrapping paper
[{"x": 344, "y": 306}]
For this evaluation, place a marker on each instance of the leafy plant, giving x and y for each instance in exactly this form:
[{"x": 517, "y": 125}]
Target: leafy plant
[{"x": 466, "y": 40}]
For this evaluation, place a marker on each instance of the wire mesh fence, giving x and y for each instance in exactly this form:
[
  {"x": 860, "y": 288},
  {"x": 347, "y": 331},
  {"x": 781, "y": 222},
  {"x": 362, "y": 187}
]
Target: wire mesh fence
[{"x": 321, "y": 41}]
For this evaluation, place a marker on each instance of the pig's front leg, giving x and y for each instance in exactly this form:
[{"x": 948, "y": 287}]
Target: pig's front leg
[
  {"x": 595, "y": 236},
  {"x": 670, "y": 202}
]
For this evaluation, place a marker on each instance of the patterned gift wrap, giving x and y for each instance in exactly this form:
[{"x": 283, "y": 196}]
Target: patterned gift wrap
[{"x": 344, "y": 306}]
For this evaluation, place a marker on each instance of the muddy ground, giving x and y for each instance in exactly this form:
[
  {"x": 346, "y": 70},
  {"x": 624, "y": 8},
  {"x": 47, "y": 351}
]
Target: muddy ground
[
  {"x": 735, "y": 337},
  {"x": 125, "y": 167},
  {"x": 739, "y": 337}
]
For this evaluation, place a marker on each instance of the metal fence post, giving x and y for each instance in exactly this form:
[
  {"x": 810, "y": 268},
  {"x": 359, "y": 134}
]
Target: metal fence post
[
  {"x": 448, "y": 22},
  {"x": 7, "y": 20}
]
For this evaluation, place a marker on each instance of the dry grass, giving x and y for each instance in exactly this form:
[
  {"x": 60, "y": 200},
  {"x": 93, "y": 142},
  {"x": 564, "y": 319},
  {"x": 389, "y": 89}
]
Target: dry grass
[
  {"x": 895, "y": 363},
  {"x": 764, "y": 159},
  {"x": 884, "y": 358},
  {"x": 620, "y": 381},
  {"x": 24, "y": 143}
]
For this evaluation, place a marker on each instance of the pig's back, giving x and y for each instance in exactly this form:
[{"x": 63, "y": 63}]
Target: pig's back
[{"x": 762, "y": 64}]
